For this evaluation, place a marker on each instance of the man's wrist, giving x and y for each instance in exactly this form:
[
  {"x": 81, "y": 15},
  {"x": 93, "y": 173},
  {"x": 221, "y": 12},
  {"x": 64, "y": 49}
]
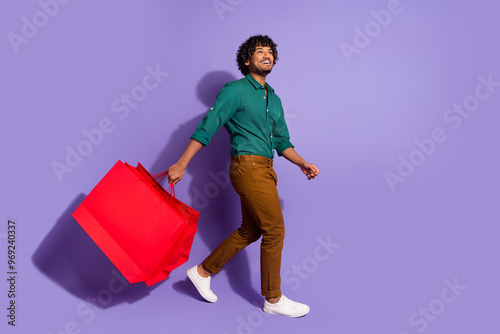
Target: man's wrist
[
  {"x": 182, "y": 164},
  {"x": 301, "y": 163}
]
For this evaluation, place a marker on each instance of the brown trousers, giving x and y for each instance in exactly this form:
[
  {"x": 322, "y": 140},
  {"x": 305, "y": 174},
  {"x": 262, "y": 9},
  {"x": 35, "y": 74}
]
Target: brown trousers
[{"x": 254, "y": 179}]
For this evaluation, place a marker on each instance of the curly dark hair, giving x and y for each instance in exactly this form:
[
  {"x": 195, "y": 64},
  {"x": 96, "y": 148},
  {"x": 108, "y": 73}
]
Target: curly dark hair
[{"x": 247, "y": 49}]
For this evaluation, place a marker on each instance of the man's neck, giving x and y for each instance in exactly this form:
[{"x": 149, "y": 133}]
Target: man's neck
[{"x": 260, "y": 78}]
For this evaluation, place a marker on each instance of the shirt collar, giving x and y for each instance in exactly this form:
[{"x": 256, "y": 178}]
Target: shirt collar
[{"x": 257, "y": 85}]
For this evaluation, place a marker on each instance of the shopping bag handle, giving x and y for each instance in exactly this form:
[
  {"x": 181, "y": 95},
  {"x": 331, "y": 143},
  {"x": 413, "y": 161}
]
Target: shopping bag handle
[{"x": 159, "y": 177}]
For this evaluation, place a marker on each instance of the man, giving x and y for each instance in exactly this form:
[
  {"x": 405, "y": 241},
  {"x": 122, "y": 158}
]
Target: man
[{"x": 253, "y": 115}]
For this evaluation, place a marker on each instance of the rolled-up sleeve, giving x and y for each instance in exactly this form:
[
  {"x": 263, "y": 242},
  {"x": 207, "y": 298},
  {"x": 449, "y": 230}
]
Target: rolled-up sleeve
[
  {"x": 281, "y": 136},
  {"x": 226, "y": 104}
]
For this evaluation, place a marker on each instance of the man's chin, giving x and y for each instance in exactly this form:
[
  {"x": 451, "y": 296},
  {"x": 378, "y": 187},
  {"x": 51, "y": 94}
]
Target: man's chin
[{"x": 261, "y": 71}]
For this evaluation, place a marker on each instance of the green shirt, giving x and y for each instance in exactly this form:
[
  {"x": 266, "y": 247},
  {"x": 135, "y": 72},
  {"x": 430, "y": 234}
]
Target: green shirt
[{"x": 256, "y": 123}]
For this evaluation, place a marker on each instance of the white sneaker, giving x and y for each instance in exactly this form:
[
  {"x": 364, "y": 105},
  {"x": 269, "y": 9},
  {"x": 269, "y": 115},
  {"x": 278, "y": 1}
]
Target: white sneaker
[
  {"x": 286, "y": 307},
  {"x": 202, "y": 284}
]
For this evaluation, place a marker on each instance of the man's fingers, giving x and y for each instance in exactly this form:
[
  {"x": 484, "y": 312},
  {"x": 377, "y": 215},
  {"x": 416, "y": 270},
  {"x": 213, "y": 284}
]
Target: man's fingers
[
  {"x": 310, "y": 170},
  {"x": 172, "y": 180}
]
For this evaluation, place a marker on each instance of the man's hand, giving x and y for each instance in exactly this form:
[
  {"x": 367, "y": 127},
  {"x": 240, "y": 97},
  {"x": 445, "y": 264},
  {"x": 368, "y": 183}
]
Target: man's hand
[
  {"x": 175, "y": 173},
  {"x": 310, "y": 170}
]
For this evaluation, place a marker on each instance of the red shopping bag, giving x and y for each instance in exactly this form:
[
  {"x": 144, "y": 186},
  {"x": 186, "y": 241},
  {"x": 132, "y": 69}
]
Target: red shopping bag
[{"x": 145, "y": 231}]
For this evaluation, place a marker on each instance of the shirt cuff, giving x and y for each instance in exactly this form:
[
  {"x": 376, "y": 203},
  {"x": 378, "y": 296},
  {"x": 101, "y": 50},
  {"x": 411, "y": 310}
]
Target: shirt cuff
[
  {"x": 283, "y": 147},
  {"x": 203, "y": 139}
]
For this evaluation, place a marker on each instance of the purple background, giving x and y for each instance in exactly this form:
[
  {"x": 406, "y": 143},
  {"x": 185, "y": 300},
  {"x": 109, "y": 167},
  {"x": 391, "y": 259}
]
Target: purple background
[{"x": 353, "y": 116}]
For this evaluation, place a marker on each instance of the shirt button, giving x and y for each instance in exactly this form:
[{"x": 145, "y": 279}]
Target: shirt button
[
  {"x": 264, "y": 97},
  {"x": 267, "y": 110}
]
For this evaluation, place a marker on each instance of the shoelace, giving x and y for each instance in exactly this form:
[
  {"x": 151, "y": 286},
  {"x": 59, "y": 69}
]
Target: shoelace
[
  {"x": 209, "y": 280},
  {"x": 289, "y": 303}
]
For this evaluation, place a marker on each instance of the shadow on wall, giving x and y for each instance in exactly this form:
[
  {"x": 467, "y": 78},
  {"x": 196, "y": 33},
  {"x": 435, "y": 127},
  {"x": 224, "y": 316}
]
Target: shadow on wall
[
  {"x": 69, "y": 257},
  {"x": 210, "y": 189}
]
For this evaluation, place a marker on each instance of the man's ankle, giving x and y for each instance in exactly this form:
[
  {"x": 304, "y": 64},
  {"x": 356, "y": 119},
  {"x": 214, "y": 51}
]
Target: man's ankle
[
  {"x": 202, "y": 271},
  {"x": 273, "y": 300}
]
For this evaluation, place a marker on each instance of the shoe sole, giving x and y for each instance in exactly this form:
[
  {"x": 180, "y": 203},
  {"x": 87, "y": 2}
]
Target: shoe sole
[
  {"x": 190, "y": 274},
  {"x": 285, "y": 315}
]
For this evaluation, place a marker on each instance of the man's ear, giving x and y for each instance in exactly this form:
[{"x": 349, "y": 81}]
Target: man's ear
[{"x": 247, "y": 63}]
